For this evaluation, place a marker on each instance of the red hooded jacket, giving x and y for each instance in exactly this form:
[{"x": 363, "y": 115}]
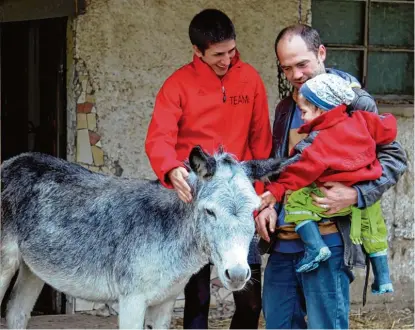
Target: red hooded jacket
[
  {"x": 344, "y": 150},
  {"x": 196, "y": 107}
]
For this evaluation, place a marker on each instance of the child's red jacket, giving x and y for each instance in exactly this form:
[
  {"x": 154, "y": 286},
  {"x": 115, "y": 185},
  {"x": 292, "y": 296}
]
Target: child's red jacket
[{"x": 339, "y": 148}]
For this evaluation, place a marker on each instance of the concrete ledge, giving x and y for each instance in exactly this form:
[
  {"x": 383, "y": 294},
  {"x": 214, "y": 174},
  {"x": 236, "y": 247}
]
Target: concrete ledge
[
  {"x": 403, "y": 296},
  {"x": 397, "y": 110}
]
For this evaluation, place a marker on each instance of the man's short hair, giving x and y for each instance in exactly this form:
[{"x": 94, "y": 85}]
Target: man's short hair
[
  {"x": 307, "y": 33},
  {"x": 210, "y": 26}
]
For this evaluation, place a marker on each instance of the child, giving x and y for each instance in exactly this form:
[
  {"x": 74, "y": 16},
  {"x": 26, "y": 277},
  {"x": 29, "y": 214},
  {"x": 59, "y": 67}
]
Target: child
[{"x": 339, "y": 147}]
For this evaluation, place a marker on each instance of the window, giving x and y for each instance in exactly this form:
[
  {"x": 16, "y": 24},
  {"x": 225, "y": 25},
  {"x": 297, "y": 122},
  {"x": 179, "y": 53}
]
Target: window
[{"x": 372, "y": 40}]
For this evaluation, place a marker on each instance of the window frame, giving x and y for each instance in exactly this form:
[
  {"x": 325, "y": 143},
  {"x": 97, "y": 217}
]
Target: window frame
[{"x": 366, "y": 48}]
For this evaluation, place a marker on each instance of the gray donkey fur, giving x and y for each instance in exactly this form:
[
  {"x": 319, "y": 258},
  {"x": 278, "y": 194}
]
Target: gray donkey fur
[{"x": 105, "y": 238}]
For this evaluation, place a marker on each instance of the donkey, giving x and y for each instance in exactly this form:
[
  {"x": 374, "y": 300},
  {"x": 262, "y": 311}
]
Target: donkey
[{"x": 104, "y": 238}]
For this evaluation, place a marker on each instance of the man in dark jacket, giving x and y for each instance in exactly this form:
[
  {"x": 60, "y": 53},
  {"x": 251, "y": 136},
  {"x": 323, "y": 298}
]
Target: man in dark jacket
[{"x": 322, "y": 294}]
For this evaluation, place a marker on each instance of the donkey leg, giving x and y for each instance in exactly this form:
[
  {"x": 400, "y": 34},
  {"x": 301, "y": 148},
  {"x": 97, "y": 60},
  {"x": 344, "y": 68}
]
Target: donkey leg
[
  {"x": 132, "y": 311},
  {"x": 23, "y": 298},
  {"x": 9, "y": 263},
  {"x": 159, "y": 316}
]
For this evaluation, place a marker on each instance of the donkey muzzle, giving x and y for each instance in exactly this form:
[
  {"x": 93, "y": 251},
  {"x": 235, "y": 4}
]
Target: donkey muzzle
[{"x": 238, "y": 275}]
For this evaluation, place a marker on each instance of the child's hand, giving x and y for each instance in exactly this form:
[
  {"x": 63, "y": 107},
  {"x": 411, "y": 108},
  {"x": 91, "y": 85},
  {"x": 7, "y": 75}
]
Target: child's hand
[{"x": 267, "y": 199}]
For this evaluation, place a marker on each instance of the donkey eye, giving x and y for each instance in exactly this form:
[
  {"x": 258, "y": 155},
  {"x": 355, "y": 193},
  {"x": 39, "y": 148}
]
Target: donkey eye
[{"x": 210, "y": 212}]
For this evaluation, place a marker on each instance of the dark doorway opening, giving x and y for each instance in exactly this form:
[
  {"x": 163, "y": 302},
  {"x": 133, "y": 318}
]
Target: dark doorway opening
[
  {"x": 33, "y": 91},
  {"x": 33, "y": 104}
]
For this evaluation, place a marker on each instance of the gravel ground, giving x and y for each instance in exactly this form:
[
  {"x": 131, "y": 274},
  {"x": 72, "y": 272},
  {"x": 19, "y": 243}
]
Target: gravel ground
[{"x": 359, "y": 319}]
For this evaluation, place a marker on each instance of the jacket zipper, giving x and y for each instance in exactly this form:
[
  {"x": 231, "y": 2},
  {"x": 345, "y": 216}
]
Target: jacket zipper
[{"x": 224, "y": 94}]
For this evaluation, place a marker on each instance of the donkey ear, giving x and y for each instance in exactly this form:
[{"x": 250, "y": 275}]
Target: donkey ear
[
  {"x": 264, "y": 169},
  {"x": 202, "y": 163}
]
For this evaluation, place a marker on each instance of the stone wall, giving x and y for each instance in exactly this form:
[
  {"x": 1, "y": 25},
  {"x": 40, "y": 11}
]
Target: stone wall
[
  {"x": 398, "y": 210},
  {"x": 124, "y": 50},
  {"x": 120, "y": 53}
]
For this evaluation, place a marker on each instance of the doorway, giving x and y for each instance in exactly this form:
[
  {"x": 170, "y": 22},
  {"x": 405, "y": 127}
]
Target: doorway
[{"x": 33, "y": 104}]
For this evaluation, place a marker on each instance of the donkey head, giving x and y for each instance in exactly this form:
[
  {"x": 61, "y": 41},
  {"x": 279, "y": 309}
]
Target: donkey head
[{"x": 225, "y": 201}]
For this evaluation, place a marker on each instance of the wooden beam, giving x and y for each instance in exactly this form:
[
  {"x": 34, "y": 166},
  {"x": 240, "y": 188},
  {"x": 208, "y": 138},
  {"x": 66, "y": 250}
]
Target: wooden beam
[{"x": 24, "y": 10}]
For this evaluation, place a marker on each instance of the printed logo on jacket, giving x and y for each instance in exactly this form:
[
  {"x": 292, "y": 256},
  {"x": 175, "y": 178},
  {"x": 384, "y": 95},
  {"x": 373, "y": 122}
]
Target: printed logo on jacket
[{"x": 239, "y": 99}]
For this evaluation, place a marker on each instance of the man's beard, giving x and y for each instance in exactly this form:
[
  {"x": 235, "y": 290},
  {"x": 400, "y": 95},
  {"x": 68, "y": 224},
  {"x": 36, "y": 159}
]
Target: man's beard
[{"x": 321, "y": 69}]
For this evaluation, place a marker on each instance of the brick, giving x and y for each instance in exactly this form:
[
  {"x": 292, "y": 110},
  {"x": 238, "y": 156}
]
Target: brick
[
  {"x": 93, "y": 138},
  {"x": 85, "y": 107}
]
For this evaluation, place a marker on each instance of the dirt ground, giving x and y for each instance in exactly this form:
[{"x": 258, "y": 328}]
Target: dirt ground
[{"x": 368, "y": 319}]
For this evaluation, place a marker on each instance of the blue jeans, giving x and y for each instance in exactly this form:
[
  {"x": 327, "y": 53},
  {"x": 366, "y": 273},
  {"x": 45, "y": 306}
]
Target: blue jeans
[{"x": 322, "y": 294}]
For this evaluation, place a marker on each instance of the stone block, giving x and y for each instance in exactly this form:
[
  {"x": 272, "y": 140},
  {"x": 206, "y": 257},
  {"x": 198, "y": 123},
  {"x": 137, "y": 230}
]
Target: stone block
[
  {"x": 92, "y": 121},
  {"x": 81, "y": 98},
  {"x": 90, "y": 98},
  {"x": 94, "y": 169},
  {"x": 81, "y": 122},
  {"x": 83, "y": 147},
  {"x": 98, "y": 155},
  {"x": 105, "y": 170}
]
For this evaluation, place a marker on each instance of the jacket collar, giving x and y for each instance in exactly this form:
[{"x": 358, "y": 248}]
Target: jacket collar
[
  {"x": 326, "y": 120},
  {"x": 205, "y": 70}
]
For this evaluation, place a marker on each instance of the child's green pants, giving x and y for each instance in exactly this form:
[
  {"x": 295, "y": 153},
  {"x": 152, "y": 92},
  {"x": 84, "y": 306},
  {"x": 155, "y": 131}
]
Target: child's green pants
[{"x": 367, "y": 227}]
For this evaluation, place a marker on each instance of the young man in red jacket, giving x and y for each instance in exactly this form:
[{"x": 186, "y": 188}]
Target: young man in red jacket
[{"x": 216, "y": 100}]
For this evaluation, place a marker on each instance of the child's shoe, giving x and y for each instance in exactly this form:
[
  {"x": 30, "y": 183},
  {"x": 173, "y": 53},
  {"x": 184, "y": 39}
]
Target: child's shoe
[
  {"x": 315, "y": 250},
  {"x": 382, "y": 282}
]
